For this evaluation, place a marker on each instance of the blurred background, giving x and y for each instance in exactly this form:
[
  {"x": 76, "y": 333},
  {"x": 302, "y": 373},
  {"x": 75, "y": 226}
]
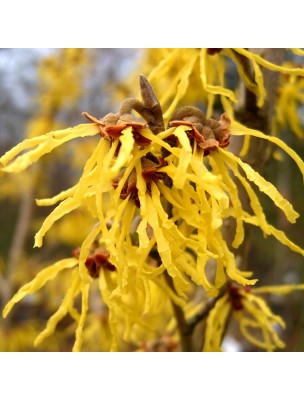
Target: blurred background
[{"x": 47, "y": 89}]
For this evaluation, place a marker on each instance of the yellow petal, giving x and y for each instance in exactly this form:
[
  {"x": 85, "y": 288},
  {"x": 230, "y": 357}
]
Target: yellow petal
[
  {"x": 84, "y": 252},
  {"x": 298, "y": 52},
  {"x": 209, "y": 88},
  {"x": 59, "y": 197},
  {"x": 240, "y": 130},
  {"x": 268, "y": 64},
  {"x": 263, "y": 319},
  {"x": 244, "y": 323},
  {"x": 164, "y": 65},
  {"x": 262, "y": 306},
  {"x": 39, "y": 281},
  {"x": 67, "y": 302},
  {"x": 106, "y": 288},
  {"x": 216, "y": 323},
  {"x": 232, "y": 271},
  {"x": 278, "y": 290},
  {"x": 87, "y": 179},
  {"x": 45, "y": 145},
  {"x": 162, "y": 284},
  {"x": 264, "y": 186},
  {"x": 137, "y": 155},
  {"x": 260, "y": 82},
  {"x": 233, "y": 193},
  {"x": 165, "y": 240},
  {"x": 254, "y": 201},
  {"x": 184, "y": 82},
  {"x": 85, "y": 287},
  {"x": 184, "y": 158},
  {"x": 242, "y": 72},
  {"x": 157, "y": 139},
  {"x": 26, "y": 144},
  {"x": 127, "y": 143},
  {"x": 278, "y": 234}
]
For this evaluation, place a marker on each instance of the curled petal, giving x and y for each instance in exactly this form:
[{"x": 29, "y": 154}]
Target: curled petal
[{"x": 39, "y": 281}]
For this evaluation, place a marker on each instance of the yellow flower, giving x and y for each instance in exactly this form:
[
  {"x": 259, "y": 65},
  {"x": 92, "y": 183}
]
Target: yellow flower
[
  {"x": 160, "y": 198},
  {"x": 130, "y": 165},
  {"x": 140, "y": 307},
  {"x": 256, "y": 321},
  {"x": 290, "y": 97},
  {"x": 235, "y": 164},
  {"x": 203, "y": 194},
  {"x": 212, "y": 65}
]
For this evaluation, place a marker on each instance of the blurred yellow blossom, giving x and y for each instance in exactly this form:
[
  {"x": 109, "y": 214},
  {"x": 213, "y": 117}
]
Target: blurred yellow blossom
[
  {"x": 208, "y": 65},
  {"x": 290, "y": 97},
  {"x": 257, "y": 322}
]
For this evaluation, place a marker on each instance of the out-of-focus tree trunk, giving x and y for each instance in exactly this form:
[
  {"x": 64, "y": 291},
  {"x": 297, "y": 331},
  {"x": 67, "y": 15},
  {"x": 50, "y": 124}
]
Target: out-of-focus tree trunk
[{"x": 19, "y": 238}]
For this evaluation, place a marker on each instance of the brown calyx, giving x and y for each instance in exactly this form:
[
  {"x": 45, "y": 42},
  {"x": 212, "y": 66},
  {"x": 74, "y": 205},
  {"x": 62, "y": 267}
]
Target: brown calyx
[
  {"x": 149, "y": 172},
  {"x": 235, "y": 292},
  {"x": 211, "y": 52},
  {"x": 97, "y": 259},
  {"x": 112, "y": 125}
]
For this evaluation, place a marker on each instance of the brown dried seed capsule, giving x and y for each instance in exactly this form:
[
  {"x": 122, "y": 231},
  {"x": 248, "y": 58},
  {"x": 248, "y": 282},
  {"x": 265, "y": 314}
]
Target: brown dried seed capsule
[{"x": 208, "y": 133}]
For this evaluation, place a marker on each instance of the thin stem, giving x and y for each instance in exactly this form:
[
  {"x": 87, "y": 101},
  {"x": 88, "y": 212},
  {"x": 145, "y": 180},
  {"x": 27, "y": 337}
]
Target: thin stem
[
  {"x": 192, "y": 323},
  {"x": 185, "y": 333}
]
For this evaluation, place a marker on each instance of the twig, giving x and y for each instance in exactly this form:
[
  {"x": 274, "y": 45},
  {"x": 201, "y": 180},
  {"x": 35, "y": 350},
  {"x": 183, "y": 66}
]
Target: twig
[
  {"x": 185, "y": 333},
  {"x": 192, "y": 323}
]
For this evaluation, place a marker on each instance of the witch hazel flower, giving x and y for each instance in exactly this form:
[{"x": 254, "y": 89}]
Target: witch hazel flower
[{"x": 161, "y": 198}]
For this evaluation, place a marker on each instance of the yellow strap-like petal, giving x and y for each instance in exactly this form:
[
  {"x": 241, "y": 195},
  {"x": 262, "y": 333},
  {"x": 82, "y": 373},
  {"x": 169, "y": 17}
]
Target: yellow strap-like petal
[
  {"x": 244, "y": 323},
  {"x": 239, "y": 130},
  {"x": 156, "y": 139},
  {"x": 185, "y": 157},
  {"x": 209, "y": 88},
  {"x": 231, "y": 268},
  {"x": 137, "y": 155},
  {"x": 278, "y": 234},
  {"x": 254, "y": 201},
  {"x": 127, "y": 143},
  {"x": 266, "y": 311},
  {"x": 39, "y": 281},
  {"x": 216, "y": 323},
  {"x": 265, "y": 321},
  {"x": 242, "y": 71},
  {"x": 47, "y": 144},
  {"x": 84, "y": 252},
  {"x": 162, "y": 284},
  {"x": 267, "y": 64},
  {"x": 85, "y": 287},
  {"x": 260, "y": 82},
  {"x": 67, "y": 302},
  {"x": 264, "y": 186},
  {"x": 164, "y": 65},
  {"x": 59, "y": 197},
  {"x": 245, "y": 148},
  {"x": 233, "y": 192},
  {"x": 298, "y": 52},
  {"x": 184, "y": 82},
  {"x": 26, "y": 144},
  {"x": 87, "y": 179},
  {"x": 278, "y": 290},
  {"x": 165, "y": 232}
]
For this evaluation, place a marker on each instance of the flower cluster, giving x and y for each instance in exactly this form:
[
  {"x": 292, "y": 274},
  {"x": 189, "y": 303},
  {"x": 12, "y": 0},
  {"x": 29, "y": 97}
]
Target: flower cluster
[
  {"x": 252, "y": 314},
  {"x": 160, "y": 197}
]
